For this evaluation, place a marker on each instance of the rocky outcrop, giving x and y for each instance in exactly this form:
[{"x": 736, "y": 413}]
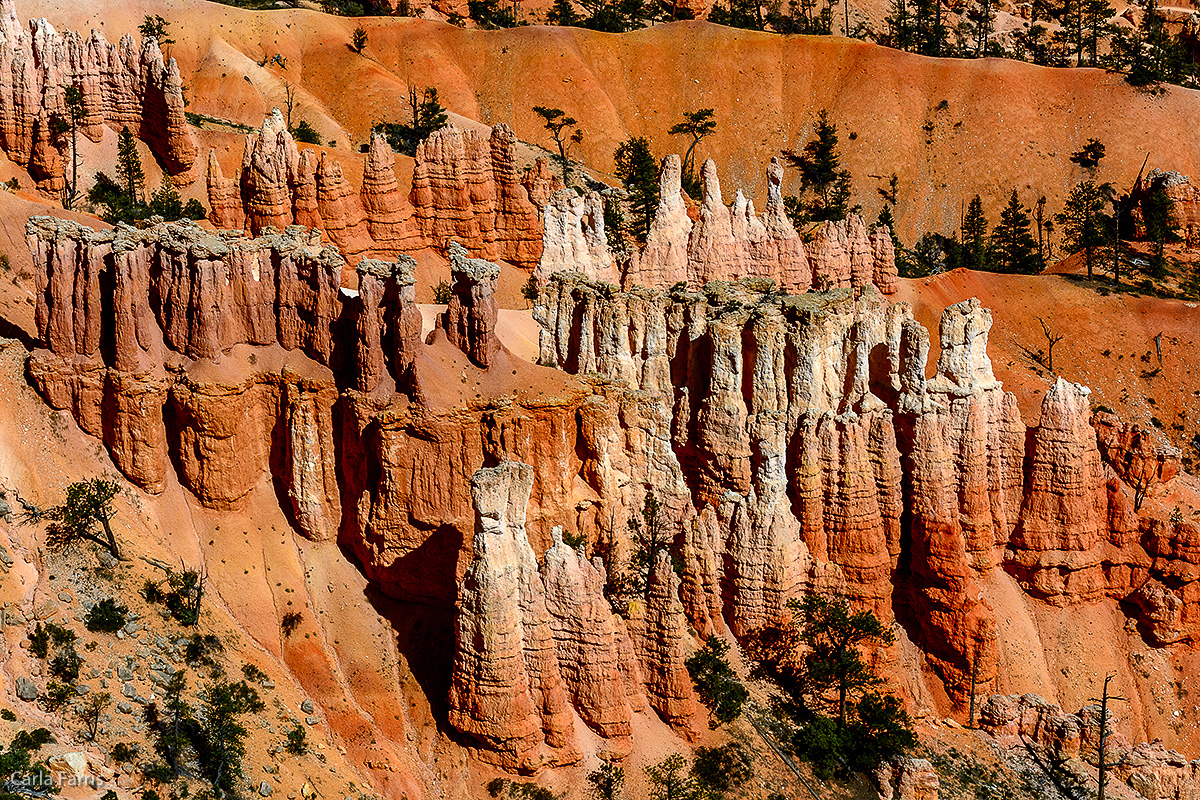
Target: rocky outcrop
[
  {"x": 506, "y": 690},
  {"x": 805, "y": 429},
  {"x": 225, "y": 209},
  {"x": 341, "y": 210},
  {"x": 663, "y": 262},
  {"x": 465, "y": 188},
  {"x": 1058, "y": 546},
  {"x": 1184, "y": 196},
  {"x": 726, "y": 243},
  {"x": 661, "y": 641},
  {"x": 1140, "y": 457},
  {"x": 470, "y": 318},
  {"x": 589, "y": 640},
  {"x": 121, "y": 86},
  {"x": 182, "y": 298},
  {"x": 1071, "y": 741},
  {"x": 907, "y": 779},
  {"x": 574, "y": 238},
  {"x": 270, "y": 173},
  {"x": 389, "y": 214},
  {"x": 541, "y": 182},
  {"x": 712, "y": 251}
]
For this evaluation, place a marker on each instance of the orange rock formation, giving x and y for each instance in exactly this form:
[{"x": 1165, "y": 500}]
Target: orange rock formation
[
  {"x": 121, "y": 86},
  {"x": 789, "y": 439}
]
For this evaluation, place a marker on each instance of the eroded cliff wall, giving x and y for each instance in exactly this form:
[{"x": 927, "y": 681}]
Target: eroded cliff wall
[
  {"x": 466, "y": 188},
  {"x": 121, "y": 85},
  {"x": 794, "y": 443}
]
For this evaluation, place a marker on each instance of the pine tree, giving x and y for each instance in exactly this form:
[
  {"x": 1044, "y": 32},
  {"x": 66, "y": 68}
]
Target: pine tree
[
  {"x": 1150, "y": 56},
  {"x": 818, "y": 661},
  {"x": 697, "y": 125},
  {"x": 556, "y": 122},
  {"x": 1095, "y": 15},
  {"x": 563, "y": 13},
  {"x": 176, "y": 724},
  {"x": 1160, "y": 226},
  {"x": 1013, "y": 247},
  {"x": 975, "y": 236},
  {"x": 819, "y": 164},
  {"x": 75, "y": 115},
  {"x": 982, "y": 25},
  {"x": 222, "y": 734},
  {"x": 1084, "y": 222},
  {"x": 899, "y": 23},
  {"x": 129, "y": 167},
  {"x": 930, "y": 34},
  {"x": 165, "y": 202},
  {"x": 428, "y": 115},
  {"x": 1089, "y": 156},
  {"x": 606, "y": 782},
  {"x": 88, "y": 504},
  {"x": 670, "y": 780},
  {"x": 638, "y": 173},
  {"x": 155, "y": 27}
]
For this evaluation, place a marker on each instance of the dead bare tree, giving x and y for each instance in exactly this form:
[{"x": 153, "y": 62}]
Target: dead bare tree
[
  {"x": 1101, "y": 765},
  {"x": 1158, "y": 347},
  {"x": 289, "y": 98},
  {"x": 1052, "y": 339}
]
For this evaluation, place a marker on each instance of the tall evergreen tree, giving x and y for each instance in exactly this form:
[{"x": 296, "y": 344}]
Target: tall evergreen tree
[
  {"x": 1160, "y": 226},
  {"x": 1095, "y": 15},
  {"x": 930, "y": 34},
  {"x": 428, "y": 115},
  {"x": 222, "y": 734},
  {"x": 830, "y": 688},
  {"x": 176, "y": 725},
  {"x": 975, "y": 236},
  {"x": 129, "y": 166},
  {"x": 563, "y": 13},
  {"x": 75, "y": 115},
  {"x": 1084, "y": 221},
  {"x": 900, "y": 26},
  {"x": 638, "y": 173},
  {"x": 1151, "y": 56},
  {"x": 819, "y": 164},
  {"x": 983, "y": 25},
  {"x": 1013, "y": 247}
]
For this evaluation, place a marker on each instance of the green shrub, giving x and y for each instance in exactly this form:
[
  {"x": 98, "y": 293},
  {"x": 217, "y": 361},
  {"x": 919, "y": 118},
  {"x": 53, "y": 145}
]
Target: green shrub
[
  {"x": 57, "y": 695},
  {"x": 304, "y": 132},
  {"x": 124, "y": 752},
  {"x": 716, "y": 682},
  {"x": 291, "y": 620},
  {"x": 65, "y": 664},
  {"x": 194, "y": 209},
  {"x": 719, "y": 770},
  {"x": 253, "y": 674},
  {"x": 106, "y": 617},
  {"x": 442, "y": 293},
  {"x": 201, "y": 649},
  {"x": 42, "y": 637},
  {"x": 297, "y": 740}
]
